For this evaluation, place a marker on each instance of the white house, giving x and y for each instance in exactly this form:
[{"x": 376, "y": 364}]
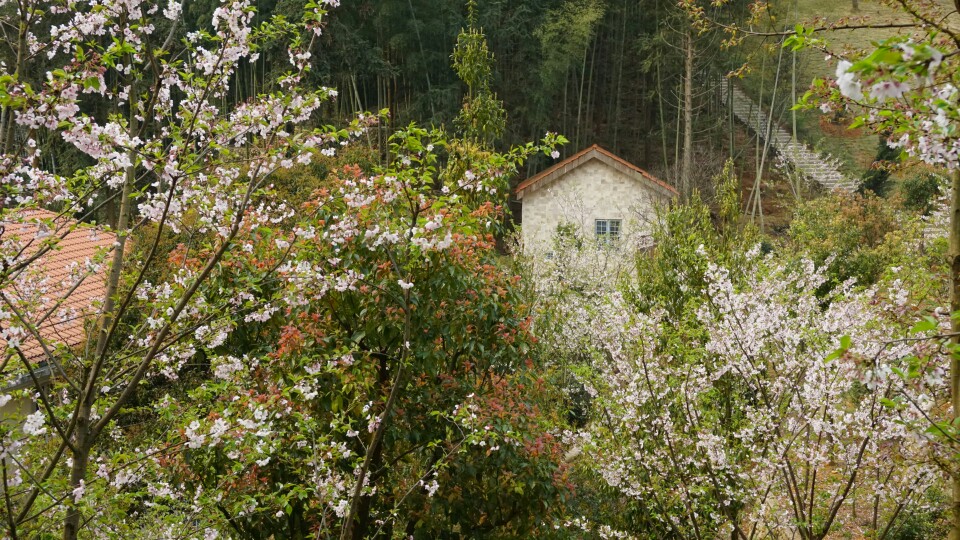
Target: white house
[{"x": 596, "y": 192}]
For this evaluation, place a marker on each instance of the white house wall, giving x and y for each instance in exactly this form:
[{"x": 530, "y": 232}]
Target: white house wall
[{"x": 592, "y": 191}]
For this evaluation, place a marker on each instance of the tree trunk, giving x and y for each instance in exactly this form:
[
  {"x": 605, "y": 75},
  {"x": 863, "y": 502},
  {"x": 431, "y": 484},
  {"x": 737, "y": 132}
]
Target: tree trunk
[
  {"x": 9, "y": 124},
  {"x": 361, "y": 525},
  {"x": 355, "y": 523},
  {"x": 686, "y": 168},
  {"x": 85, "y": 436},
  {"x": 78, "y": 470},
  {"x": 955, "y": 338},
  {"x": 588, "y": 112},
  {"x": 615, "y": 117},
  {"x": 731, "y": 119},
  {"x": 423, "y": 58},
  {"x": 583, "y": 78}
]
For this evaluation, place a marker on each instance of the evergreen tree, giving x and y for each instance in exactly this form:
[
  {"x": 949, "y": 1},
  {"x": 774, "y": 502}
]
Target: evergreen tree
[
  {"x": 482, "y": 119},
  {"x": 877, "y": 178}
]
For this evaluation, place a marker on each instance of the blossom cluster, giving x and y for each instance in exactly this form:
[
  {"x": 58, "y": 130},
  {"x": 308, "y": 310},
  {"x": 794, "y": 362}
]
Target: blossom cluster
[
  {"x": 911, "y": 96},
  {"x": 716, "y": 425}
]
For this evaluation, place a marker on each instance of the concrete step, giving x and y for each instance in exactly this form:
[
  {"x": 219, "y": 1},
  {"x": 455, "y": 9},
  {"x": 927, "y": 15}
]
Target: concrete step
[{"x": 802, "y": 157}]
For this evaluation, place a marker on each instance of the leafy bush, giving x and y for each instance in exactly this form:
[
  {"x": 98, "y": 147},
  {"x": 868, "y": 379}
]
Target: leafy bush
[
  {"x": 919, "y": 193},
  {"x": 297, "y": 184},
  {"x": 857, "y": 236},
  {"x": 928, "y": 519},
  {"x": 877, "y": 177},
  {"x": 672, "y": 273}
]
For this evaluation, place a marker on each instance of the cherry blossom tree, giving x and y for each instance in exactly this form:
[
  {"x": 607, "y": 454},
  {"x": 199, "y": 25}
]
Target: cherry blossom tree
[
  {"x": 387, "y": 383},
  {"x": 755, "y": 419},
  {"x": 254, "y": 368},
  {"x": 751, "y": 397},
  {"x": 165, "y": 152},
  {"x": 906, "y": 88}
]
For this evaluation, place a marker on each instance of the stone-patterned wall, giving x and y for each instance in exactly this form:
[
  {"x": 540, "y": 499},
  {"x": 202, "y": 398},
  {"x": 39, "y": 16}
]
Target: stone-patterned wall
[{"x": 589, "y": 192}]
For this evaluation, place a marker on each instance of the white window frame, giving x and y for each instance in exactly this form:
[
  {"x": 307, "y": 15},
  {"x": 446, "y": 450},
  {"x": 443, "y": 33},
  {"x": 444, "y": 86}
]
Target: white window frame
[{"x": 608, "y": 230}]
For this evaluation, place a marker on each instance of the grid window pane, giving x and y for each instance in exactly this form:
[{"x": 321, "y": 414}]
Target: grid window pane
[
  {"x": 607, "y": 230},
  {"x": 601, "y": 228},
  {"x": 614, "y": 229}
]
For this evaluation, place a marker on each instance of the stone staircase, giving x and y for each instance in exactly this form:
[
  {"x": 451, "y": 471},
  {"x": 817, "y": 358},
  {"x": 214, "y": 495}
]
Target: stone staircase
[{"x": 804, "y": 159}]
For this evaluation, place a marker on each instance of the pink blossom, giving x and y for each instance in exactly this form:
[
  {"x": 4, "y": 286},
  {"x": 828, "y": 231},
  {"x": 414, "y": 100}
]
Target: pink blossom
[{"x": 888, "y": 89}]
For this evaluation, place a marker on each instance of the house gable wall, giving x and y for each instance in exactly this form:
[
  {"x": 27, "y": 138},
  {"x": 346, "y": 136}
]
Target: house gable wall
[{"x": 591, "y": 191}]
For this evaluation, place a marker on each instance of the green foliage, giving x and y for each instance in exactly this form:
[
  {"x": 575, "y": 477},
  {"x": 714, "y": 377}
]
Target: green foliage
[
  {"x": 919, "y": 192},
  {"x": 482, "y": 117},
  {"x": 299, "y": 184},
  {"x": 567, "y": 234},
  {"x": 469, "y": 444},
  {"x": 564, "y": 37},
  {"x": 670, "y": 278},
  {"x": 858, "y": 236},
  {"x": 877, "y": 178},
  {"x": 674, "y": 267},
  {"x": 926, "y": 518},
  {"x": 673, "y": 273}
]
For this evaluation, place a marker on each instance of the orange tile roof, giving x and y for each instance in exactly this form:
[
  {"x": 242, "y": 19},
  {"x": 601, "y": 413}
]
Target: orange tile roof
[
  {"x": 585, "y": 155},
  {"x": 72, "y": 302}
]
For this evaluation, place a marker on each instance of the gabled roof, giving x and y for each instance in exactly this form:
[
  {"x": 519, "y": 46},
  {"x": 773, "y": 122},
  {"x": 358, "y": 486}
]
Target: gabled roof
[
  {"x": 603, "y": 155},
  {"x": 71, "y": 276}
]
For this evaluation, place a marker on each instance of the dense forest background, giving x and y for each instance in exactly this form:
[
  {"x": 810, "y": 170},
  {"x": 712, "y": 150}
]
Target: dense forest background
[
  {"x": 599, "y": 72},
  {"x": 638, "y": 78}
]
